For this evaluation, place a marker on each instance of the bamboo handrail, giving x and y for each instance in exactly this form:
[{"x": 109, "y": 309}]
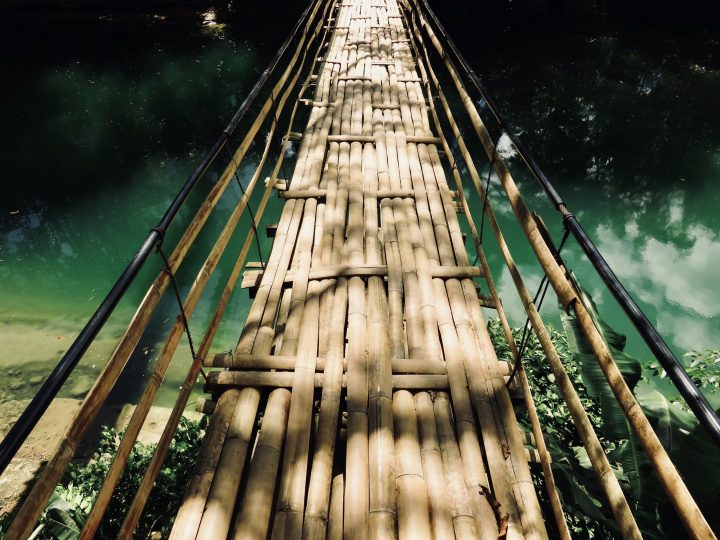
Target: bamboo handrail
[
  {"x": 698, "y": 403},
  {"x": 159, "y": 455},
  {"x": 677, "y": 491}
]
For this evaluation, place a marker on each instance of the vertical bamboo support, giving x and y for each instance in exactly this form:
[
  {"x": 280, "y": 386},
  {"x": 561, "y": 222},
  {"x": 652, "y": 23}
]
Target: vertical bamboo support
[
  {"x": 253, "y": 518},
  {"x": 413, "y": 511}
]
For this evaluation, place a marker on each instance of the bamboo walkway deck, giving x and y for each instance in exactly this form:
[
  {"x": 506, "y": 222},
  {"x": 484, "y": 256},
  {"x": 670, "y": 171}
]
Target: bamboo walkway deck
[{"x": 365, "y": 352}]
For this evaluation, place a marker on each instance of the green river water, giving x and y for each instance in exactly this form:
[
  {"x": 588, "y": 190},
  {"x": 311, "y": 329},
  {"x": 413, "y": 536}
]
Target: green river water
[{"x": 105, "y": 114}]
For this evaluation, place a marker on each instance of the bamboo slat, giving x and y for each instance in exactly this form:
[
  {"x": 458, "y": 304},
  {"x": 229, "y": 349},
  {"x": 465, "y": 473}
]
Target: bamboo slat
[
  {"x": 440, "y": 513},
  {"x": 188, "y": 518},
  {"x": 253, "y": 518},
  {"x": 413, "y": 508},
  {"x": 217, "y": 516},
  {"x": 356, "y": 500}
]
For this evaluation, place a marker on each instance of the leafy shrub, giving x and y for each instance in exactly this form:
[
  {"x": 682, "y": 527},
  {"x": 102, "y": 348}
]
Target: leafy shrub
[
  {"x": 582, "y": 507},
  {"x": 690, "y": 448},
  {"x": 73, "y": 498}
]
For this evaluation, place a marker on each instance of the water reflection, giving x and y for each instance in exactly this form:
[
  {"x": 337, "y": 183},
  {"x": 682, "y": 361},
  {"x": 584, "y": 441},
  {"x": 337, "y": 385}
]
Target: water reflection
[{"x": 625, "y": 122}]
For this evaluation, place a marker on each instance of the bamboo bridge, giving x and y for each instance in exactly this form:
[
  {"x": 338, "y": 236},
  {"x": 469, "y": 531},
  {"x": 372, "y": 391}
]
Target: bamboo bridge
[{"x": 364, "y": 397}]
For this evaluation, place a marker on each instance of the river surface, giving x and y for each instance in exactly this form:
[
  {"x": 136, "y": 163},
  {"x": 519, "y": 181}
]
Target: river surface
[{"x": 104, "y": 115}]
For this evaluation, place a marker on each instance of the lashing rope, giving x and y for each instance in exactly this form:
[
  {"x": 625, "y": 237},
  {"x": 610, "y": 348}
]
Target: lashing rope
[
  {"x": 168, "y": 270},
  {"x": 542, "y": 290},
  {"x": 487, "y": 192},
  {"x": 253, "y": 223}
]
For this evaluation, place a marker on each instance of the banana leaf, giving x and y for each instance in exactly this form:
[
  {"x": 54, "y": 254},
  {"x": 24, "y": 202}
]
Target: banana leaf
[{"x": 692, "y": 451}]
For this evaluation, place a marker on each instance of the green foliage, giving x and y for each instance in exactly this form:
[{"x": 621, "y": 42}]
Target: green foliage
[
  {"x": 73, "y": 498},
  {"x": 703, "y": 368},
  {"x": 689, "y": 447},
  {"x": 579, "y": 491}
]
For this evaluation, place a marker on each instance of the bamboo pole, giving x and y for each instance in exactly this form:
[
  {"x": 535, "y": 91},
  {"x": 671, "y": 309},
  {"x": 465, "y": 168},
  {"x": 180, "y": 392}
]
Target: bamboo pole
[
  {"x": 462, "y": 512},
  {"x": 356, "y": 498},
  {"x": 383, "y": 515},
  {"x": 335, "y": 520},
  {"x": 290, "y": 506},
  {"x": 253, "y": 518},
  {"x": 217, "y": 516},
  {"x": 319, "y": 489},
  {"x": 255, "y": 362},
  {"x": 413, "y": 511},
  {"x": 319, "y": 494},
  {"x": 440, "y": 514},
  {"x": 188, "y": 517}
]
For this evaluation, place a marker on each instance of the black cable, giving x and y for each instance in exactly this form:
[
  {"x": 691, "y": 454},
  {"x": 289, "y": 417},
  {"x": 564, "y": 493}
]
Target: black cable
[
  {"x": 486, "y": 193},
  {"x": 542, "y": 290},
  {"x": 253, "y": 223},
  {"x": 168, "y": 270}
]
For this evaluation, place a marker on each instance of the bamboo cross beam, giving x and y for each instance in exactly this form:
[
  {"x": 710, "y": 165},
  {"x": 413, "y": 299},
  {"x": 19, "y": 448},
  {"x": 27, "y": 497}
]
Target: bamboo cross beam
[
  {"x": 220, "y": 380},
  {"x": 252, "y": 278},
  {"x": 278, "y": 362},
  {"x": 419, "y": 139}
]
